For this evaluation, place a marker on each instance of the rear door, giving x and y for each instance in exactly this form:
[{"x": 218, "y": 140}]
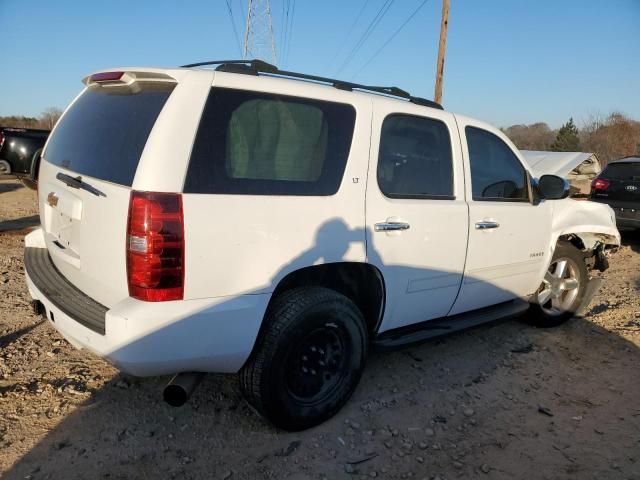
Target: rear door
[
  {"x": 417, "y": 218},
  {"x": 88, "y": 169},
  {"x": 274, "y": 183}
]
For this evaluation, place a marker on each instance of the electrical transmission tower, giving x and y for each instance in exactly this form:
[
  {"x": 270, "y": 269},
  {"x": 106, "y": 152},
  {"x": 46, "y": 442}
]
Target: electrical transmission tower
[{"x": 258, "y": 38}]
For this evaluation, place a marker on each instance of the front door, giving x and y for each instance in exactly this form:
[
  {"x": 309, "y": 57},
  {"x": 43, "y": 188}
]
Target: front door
[
  {"x": 508, "y": 234},
  {"x": 416, "y": 214}
]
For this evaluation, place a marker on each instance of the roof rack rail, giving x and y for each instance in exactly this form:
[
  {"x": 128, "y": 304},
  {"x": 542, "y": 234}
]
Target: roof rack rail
[{"x": 256, "y": 67}]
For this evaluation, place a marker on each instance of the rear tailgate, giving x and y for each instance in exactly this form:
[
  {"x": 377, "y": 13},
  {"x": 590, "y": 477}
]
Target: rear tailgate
[
  {"x": 86, "y": 176},
  {"x": 624, "y": 184}
]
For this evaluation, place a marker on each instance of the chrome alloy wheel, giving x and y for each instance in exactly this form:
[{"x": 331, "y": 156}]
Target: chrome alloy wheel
[{"x": 560, "y": 287}]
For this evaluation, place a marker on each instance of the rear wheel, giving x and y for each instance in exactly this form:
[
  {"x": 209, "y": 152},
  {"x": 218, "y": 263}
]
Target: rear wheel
[
  {"x": 308, "y": 360},
  {"x": 5, "y": 167},
  {"x": 562, "y": 289}
]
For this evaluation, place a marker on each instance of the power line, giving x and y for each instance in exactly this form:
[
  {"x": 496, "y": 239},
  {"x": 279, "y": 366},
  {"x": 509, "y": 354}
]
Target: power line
[
  {"x": 281, "y": 43},
  {"x": 415, "y": 12},
  {"x": 372, "y": 25},
  {"x": 365, "y": 36},
  {"x": 293, "y": 12},
  {"x": 344, "y": 42},
  {"x": 233, "y": 24},
  {"x": 285, "y": 21}
]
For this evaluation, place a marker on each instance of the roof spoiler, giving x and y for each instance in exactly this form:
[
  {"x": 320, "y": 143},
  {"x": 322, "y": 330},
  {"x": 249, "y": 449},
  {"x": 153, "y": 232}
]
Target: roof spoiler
[{"x": 126, "y": 78}]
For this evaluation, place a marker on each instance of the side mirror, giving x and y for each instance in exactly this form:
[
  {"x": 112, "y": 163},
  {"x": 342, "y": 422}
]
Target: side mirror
[{"x": 552, "y": 187}]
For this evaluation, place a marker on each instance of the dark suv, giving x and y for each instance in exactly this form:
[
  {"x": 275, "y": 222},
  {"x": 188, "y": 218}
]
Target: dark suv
[{"x": 619, "y": 186}]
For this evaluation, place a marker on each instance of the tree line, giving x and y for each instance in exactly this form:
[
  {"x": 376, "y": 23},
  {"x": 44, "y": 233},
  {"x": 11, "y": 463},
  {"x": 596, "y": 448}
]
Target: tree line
[
  {"x": 46, "y": 120},
  {"x": 609, "y": 137}
]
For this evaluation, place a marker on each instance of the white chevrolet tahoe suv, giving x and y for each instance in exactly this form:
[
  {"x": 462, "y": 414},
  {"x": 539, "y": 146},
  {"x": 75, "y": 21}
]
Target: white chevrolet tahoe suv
[{"x": 279, "y": 225}]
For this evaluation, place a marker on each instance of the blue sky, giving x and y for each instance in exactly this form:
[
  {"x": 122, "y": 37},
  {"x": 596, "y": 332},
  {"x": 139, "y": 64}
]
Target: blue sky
[{"x": 508, "y": 61}]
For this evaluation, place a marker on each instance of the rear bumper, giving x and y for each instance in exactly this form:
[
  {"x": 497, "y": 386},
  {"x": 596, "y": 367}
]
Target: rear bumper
[
  {"x": 627, "y": 213},
  {"x": 46, "y": 278},
  {"x": 627, "y": 217},
  {"x": 147, "y": 338},
  {"x": 627, "y": 222}
]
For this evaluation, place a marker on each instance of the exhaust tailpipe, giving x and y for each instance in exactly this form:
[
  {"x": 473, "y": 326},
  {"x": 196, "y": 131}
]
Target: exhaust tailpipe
[{"x": 180, "y": 388}]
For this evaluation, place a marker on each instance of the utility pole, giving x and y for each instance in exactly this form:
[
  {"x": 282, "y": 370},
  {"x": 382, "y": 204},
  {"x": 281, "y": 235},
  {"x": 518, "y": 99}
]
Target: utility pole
[
  {"x": 444, "y": 23},
  {"x": 258, "y": 37}
]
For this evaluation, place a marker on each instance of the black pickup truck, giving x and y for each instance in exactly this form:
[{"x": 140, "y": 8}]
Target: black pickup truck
[{"x": 17, "y": 147}]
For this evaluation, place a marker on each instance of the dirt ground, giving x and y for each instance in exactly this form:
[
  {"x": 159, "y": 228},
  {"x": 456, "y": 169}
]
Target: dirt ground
[{"x": 498, "y": 402}]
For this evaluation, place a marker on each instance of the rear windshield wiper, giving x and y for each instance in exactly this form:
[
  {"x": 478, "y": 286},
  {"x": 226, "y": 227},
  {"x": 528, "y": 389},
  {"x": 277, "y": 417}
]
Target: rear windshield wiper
[{"x": 76, "y": 182}]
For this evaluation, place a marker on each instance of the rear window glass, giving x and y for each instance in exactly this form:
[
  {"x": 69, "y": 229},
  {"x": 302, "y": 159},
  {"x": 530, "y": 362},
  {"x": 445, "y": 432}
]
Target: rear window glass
[
  {"x": 105, "y": 131},
  {"x": 622, "y": 171},
  {"x": 257, "y": 143}
]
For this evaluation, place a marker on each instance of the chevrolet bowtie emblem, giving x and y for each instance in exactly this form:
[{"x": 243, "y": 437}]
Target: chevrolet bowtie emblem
[{"x": 52, "y": 199}]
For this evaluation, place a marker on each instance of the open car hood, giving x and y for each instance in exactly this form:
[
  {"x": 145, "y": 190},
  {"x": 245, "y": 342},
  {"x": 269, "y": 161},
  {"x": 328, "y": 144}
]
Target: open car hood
[{"x": 560, "y": 163}]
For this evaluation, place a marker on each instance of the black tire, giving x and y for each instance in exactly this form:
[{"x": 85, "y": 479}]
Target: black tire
[
  {"x": 284, "y": 379},
  {"x": 543, "y": 313},
  {"x": 5, "y": 168}
]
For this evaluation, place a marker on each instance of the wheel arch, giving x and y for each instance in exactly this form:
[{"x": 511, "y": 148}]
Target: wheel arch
[
  {"x": 361, "y": 282},
  {"x": 588, "y": 241}
]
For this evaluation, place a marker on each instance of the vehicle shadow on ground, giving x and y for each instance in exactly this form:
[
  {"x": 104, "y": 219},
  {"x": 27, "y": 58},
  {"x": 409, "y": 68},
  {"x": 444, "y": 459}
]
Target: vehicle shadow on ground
[
  {"x": 13, "y": 336},
  {"x": 124, "y": 430},
  {"x": 632, "y": 239},
  {"x": 19, "y": 226},
  {"x": 9, "y": 187}
]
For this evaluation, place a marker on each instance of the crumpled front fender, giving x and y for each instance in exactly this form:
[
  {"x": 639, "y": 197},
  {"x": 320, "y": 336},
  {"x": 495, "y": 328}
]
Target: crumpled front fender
[{"x": 590, "y": 221}]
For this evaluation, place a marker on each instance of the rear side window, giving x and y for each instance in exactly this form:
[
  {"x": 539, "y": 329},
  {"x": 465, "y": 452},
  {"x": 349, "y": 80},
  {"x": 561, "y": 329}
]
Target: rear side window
[
  {"x": 496, "y": 173},
  {"x": 622, "y": 171},
  {"x": 415, "y": 158},
  {"x": 257, "y": 143},
  {"x": 104, "y": 132}
]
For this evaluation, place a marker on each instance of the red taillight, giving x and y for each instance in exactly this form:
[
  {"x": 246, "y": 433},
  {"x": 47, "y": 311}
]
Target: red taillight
[
  {"x": 600, "y": 184},
  {"x": 155, "y": 246}
]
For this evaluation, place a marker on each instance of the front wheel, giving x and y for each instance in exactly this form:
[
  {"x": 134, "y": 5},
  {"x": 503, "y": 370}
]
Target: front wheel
[
  {"x": 308, "y": 360},
  {"x": 562, "y": 289}
]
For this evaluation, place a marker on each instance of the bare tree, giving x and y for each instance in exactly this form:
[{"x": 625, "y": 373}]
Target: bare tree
[
  {"x": 611, "y": 137},
  {"x": 537, "y": 136},
  {"x": 18, "y": 121},
  {"x": 49, "y": 117}
]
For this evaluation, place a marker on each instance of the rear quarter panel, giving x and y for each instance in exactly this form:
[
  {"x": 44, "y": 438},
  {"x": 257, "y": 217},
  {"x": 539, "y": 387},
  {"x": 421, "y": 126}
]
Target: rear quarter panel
[
  {"x": 19, "y": 149},
  {"x": 245, "y": 244}
]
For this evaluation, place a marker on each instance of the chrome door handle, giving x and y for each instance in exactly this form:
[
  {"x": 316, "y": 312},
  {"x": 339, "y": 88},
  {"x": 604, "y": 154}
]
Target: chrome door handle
[
  {"x": 391, "y": 226},
  {"x": 484, "y": 225}
]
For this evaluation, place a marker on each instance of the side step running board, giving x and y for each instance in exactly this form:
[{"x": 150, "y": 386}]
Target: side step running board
[{"x": 400, "y": 337}]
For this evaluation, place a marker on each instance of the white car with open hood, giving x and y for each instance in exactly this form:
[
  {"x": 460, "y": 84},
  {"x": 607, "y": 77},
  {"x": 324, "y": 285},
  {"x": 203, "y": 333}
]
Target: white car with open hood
[{"x": 279, "y": 225}]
